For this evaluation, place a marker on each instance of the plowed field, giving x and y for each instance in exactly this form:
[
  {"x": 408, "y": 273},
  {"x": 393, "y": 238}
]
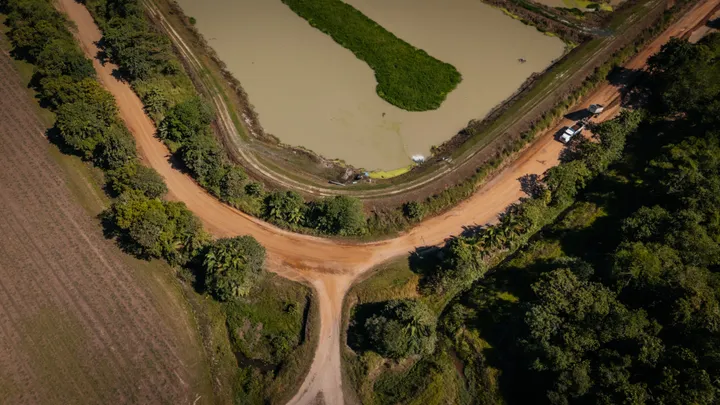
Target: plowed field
[{"x": 80, "y": 322}]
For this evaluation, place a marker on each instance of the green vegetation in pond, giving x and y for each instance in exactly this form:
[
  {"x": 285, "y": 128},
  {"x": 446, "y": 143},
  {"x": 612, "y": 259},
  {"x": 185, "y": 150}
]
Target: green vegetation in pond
[{"x": 407, "y": 77}]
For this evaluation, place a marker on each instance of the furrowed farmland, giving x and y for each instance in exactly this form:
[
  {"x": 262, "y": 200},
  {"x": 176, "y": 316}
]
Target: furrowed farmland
[{"x": 80, "y": 321}]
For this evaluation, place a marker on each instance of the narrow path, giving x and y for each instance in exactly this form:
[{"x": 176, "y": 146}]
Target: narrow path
[{"x": 332, "y": 266}]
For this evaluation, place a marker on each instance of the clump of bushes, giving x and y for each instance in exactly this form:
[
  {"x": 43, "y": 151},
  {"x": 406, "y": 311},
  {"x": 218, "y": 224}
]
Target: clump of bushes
[
  {"x": 407, "y": 77},
  {"x": 402, "y": 328}
]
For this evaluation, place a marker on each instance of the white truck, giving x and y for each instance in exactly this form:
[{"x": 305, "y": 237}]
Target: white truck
[{"x": 572, "y": 131}]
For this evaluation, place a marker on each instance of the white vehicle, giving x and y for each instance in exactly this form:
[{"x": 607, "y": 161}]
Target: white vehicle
[
  {"x": 572, "y": 131},
  {"x": 596, "y": 109}
]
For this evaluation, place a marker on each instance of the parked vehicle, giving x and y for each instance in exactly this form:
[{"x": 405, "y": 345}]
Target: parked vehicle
[
  {"x": 572, "y": 131},
  {"x": 596, "y": 109}
]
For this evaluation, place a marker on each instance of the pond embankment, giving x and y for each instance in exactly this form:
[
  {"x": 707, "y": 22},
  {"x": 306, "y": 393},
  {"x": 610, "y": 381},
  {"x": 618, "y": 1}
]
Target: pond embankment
[{"x": 310, "y": 91}]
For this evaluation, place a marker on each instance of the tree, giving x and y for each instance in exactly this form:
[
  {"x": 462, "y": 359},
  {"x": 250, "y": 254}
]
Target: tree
[
  {"x": 402, "y": 328},
  {"x": 462, "y": 265},
  {"x": 339, "y": 215},
  {"x": 80, "y": 127},
  {"x": 61, "y": 57},
  {"x": 588, "y": 341},
  {"x": 134, "y": 176},
  {"x": 116, "y": 149},
  {"x": 232, "y": 186},
  {"x": 413, "y": 210},
  {"x": 204, "y": 158},
  {"x": 186, "y": 121},
  {"x": 155, "y": 228},
  {"x": 565, "y": 180},
  {"x": 233, "y": 266},
  {"x": 285, "y": 207}
]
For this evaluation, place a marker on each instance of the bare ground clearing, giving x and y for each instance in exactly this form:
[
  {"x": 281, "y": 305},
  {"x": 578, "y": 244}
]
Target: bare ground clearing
[
  {"x": 331, "y": 266},
  {"x": 80, "y": 321}
]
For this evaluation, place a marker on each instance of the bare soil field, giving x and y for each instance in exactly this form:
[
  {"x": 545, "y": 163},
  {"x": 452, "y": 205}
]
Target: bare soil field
[{"x": 80, "y": 321}]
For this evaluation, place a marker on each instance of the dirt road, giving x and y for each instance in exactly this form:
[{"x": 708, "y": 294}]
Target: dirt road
[{"x": 332, "y": 266}]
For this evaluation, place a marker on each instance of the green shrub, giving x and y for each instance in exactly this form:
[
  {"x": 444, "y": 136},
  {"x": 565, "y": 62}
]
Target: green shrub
[
  {"x": 407, "y": 77},
  {"x": 339, "y": 215},
  {"x": 402, "y": 328},
  {"x": 81, "y": 127},
  {"x": 134, "y": 176},
  {"x": 285, "y": 208},
  {"x": 233, "y": 266},
  {"x": 154, "y": 228},
  {"x": 116, "y": 149},
  {"x": 413, "y": 210}
]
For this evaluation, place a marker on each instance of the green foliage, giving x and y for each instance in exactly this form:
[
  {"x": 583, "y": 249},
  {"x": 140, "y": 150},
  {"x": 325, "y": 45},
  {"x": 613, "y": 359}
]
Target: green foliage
[
  {"x": 81, "y": 127},
  {"x": 285, "y": 208},
  {"x": 268, "y": 333},
  {"x": 233, "y": 266},
  {"x": 591, "y": 342},
  {"x": 339, "y": 215},
  {"x": 233, "y": 185},
  {"x": 155, "y": 228},
  {"x": 62, "y": 58},
  {"x": 56, "y": 91},
  {"x": 413, "y": 210},
  {"x": 618, "y": 301},
  {"x": 117, "y": 148},
  {"x": 407, "y": 77},
  {"x": 431, "y": 381},
  {"x": 187, "y": 120},
  {"x": 139, "y": 52},
  {"x": 402, "y": 328},
  {"x": 134, "y": 176}
]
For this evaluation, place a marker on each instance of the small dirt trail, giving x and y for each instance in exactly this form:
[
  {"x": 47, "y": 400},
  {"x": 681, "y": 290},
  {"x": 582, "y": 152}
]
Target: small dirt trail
[{"x": 331, "y": 266}]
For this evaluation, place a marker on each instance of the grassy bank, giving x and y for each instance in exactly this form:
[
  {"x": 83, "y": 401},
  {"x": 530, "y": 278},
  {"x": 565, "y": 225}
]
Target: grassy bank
[
  {"x": 273, "y": 333},
  {"x": 407, "y": 77}
]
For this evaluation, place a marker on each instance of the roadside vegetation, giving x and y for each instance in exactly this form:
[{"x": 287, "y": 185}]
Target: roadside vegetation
[
  {"x": 184, "y": 119},
  {"x": 185, "y": 127},
  {"x": 613, "y": 301},
  {"x": 148, "y": 226},
  {"x": 407, "y": 77},
  {"x": 387, "y": 221}
]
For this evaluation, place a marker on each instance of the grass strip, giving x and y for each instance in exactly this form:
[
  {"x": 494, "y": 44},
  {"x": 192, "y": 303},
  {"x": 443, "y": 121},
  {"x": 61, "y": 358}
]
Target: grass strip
[{"x": 407, "y": 77}]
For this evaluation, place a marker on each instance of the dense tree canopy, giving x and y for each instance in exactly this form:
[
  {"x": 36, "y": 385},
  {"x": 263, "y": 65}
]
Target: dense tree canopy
[
  {"x": 157, "y": 228},
  {"x": 402, "y": 328},
  {"x": 339, "y": 215},
  {"x": 233, "y": 266},
  {"x": 134, "y": 176},
  {"x": 617, "y": 304}
]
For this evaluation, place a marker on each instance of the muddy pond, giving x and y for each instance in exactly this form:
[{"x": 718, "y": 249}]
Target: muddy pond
[{"x": 309, "y": 91}]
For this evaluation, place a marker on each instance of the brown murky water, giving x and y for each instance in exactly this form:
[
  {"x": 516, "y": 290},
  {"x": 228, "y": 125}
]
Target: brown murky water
[{"x": 312, "y": 92}]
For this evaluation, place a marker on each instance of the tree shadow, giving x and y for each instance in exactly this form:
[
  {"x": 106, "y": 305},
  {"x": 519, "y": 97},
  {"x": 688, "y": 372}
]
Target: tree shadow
[
  {"x": 714, "y": 23},
  {"x": 531, "y": 185},
  {"x": 357, "y": 338},
  {"x": 578, "y": 115},
  {"x": 620, "y": 76}
]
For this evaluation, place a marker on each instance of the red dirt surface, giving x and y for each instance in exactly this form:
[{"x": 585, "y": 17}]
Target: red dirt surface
[
  {"x": 80, "y": 321},
  {"x": 332, "y": 266}
]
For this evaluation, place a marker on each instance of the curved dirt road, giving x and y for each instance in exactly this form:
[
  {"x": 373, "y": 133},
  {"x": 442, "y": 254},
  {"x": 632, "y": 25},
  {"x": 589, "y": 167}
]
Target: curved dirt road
[{"x": 331, "y": 266}]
